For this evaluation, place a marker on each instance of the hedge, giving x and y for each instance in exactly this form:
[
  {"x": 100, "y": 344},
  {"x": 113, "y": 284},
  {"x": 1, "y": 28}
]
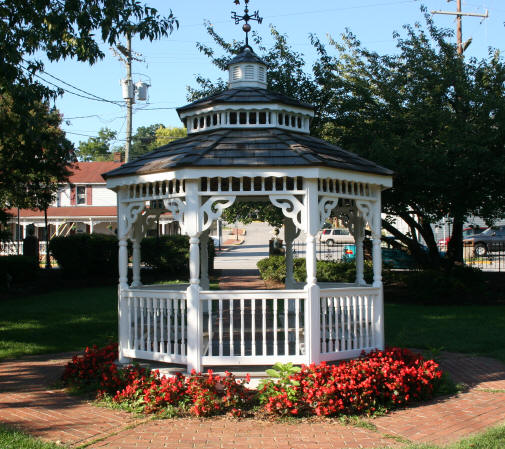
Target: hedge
[
  {"x": 274, "y": 269},
  {"x": 15, "y": 269},
  {"x": 170, "y": 254},
  {"x": 86, "y": 254}
]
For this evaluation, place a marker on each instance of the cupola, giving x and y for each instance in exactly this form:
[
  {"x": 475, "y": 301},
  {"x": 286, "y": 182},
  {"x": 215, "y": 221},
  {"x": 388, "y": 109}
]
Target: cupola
[{"x": 247, "y": 70}]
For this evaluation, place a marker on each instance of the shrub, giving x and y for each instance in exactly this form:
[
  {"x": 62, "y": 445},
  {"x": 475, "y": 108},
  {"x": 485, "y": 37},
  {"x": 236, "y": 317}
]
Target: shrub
[
  {"x": 455, "y": 284},
  {"x": 86, "y": 254},
  {"x": 274, "y": 268},
  {"x": 14, "y": 269},
  {"x": 170, "y": 254}
]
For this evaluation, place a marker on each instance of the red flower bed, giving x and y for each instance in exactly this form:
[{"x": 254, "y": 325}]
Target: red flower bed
[
  {"x": 384, "y": 379},
  {"x": 378, "y": 380}
]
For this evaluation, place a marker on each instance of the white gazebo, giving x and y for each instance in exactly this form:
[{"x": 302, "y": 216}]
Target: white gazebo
[{"x": 248, "y": 143}]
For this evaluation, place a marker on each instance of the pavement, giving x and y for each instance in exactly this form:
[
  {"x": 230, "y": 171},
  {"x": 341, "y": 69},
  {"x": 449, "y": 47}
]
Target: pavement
[{"x": 29, "y": 400}]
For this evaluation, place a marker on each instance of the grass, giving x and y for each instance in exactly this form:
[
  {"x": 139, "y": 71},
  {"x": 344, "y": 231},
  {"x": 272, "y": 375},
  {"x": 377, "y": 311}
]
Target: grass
[
  {"x": 468, "y": 329},
  {"x": 58, "y": 321},
  {"x": 15, "y": 439}
]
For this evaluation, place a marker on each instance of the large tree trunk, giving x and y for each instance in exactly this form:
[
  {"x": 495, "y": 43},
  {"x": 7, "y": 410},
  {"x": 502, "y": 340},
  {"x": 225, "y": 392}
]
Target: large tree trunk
[{"x": 455, "y": 246}]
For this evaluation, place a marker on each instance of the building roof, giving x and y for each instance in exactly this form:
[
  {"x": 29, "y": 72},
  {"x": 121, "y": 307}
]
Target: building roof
[
  {"x": 91, "y": 172},
  {"x": 245, "y": 95},
  {"x": 246, "y": 55},
  {"x": 68, "y": 212},
  {"x": 256, "y": 147}
]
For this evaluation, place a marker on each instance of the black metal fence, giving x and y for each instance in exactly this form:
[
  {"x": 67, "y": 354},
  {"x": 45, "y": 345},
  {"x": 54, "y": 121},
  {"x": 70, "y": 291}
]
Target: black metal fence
[
  {"x": 337, "y": 251},
  {"x": 487, "y": 258}
]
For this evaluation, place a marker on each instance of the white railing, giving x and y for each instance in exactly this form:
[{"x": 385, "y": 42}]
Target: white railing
[
  {"x": 158, "y": 325},
  {"x": 252, "y": 327},
  {"x": 347, "y": 320},
  {"x": 11, "y": 248}
]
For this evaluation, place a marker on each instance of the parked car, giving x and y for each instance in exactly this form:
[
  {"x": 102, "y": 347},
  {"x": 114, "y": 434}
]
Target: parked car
[
  {"x": 333, "y": 236},
  {"x": 490, "y": 240},
  {"x": 467, "y": 232}
]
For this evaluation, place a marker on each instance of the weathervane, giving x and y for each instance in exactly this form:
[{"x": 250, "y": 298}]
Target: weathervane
[{"x": 246, "y": 17}]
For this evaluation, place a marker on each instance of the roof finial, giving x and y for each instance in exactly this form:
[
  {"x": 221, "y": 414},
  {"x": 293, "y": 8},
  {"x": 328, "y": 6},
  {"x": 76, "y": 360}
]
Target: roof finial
[{"x": 246, "y": 17}]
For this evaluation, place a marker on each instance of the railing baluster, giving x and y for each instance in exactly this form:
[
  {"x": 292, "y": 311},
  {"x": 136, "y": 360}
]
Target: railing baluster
[
  {"x": 253, "y": 327},
  {"x": 209, "y": 306},
  {"x": 286, "y": 321},
  {"x": 331, "y": 336},
  {"x": 220, "y": 327},
  {"x": 135, "y": 323},
  {"x": 367, "y": 335},
  {"x": 169, "y": 326},
  {"x": 176, "y": 326},
  {"x": 142, "y": 324},
  {"x": 149, "y": 305},
  {"x": 342, "y": 323},
  {"x": 355, "y": 322},
  {"x": 372, "y": 324},
  {"x": 323, "y": 312},
  {"x": 297, "y": 326},
  {"x": 349, "y": 322},
  {"x": 129, "y": 304},
  {"x": 264, "y": 325},
  {"x": 155, "y": 324},
  {"x": 276, "y": 349},
  {"x": 360, "y": 311},
  {"x": 231, "y": 328},
  {"x": 242, "y": 328},
  {"x": 183, "y": 327},
  {"x": 163, "y": 303}
]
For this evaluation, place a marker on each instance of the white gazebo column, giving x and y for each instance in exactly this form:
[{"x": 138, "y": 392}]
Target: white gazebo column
[
  {"x": 377, "y": 272},
  {"x": 312, "y": 310},
  {"x": 192, "y": 226},
  {"x": 137, "y": 238},
  {"x": 204, "y": 260},
  {"x": 289, "y": 236},
  {"x": 359, "y": 236},
  {"x": 123, "y": 324}
]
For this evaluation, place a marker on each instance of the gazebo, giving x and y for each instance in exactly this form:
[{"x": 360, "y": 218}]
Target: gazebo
[{"x": 248, "y": 144}]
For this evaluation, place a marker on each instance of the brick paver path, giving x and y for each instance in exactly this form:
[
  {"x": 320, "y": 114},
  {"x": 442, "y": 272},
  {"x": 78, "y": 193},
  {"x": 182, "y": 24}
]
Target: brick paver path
[{"x": 30, "y": 400}]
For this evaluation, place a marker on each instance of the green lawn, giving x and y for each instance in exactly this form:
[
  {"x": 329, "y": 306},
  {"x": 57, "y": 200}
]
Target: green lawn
[
  {"x": 469, "y": 329},
  {"x": 14, "y": 439},
  {"x": 58, "y": 321}
]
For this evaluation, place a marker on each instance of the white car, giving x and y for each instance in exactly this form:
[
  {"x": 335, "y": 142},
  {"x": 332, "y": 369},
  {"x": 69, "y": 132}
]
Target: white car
[{"x": 335, "y": 236}]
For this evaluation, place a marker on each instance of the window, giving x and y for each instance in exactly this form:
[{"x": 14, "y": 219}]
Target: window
[{"x": 81, "y": 194}]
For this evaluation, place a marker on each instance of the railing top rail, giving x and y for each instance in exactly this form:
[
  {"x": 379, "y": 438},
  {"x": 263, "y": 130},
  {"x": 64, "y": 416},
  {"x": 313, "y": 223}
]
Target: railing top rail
[
  {"x": 339, "y": 291},
  {"x": 170, "y": 294},
  {"x": 253, "y": 294}
]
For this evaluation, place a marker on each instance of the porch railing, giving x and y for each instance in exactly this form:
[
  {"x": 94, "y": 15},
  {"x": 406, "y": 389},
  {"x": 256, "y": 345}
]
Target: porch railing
[{"x": 249, "y": 327}]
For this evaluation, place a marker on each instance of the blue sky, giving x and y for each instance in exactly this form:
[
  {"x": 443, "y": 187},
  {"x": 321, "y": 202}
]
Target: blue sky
[{"x": 172, "y": 63}]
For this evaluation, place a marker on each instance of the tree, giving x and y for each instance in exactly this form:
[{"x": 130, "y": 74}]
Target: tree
[
  {"x": 59, "y": 30},
  {"x": 148, "y": 138},
  {"x": 434, "y": 118},
  {"x": 98, "y": 148}
]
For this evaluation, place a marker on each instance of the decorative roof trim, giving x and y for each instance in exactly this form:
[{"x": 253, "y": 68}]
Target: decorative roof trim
[{"x": 274, "y": 107}]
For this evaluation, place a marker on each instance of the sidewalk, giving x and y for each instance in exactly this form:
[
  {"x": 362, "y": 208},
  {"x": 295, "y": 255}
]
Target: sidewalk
[{"x": 28, "y": 400}]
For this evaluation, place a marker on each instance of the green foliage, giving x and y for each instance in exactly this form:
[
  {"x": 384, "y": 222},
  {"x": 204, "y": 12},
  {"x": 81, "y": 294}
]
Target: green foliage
[
  {"x": 248, "y": 211},
  {"x": 98, "y": 148},
  {"x": 57, "y": 30},
  {"x": 148, "y": 138},
  {"x": 457, "y": 284},
  {"x": 165, "y": 135},
  {"x": 434, "y": 118},
  {"x": 16, "y": 269},
  {"x": 167, "y": 253},
  {"x": 81, "y": 255},
  {"x": 272, "y": 268},
  {"x": 11, "y": 438},
  {"x": 280, "y": 377}
]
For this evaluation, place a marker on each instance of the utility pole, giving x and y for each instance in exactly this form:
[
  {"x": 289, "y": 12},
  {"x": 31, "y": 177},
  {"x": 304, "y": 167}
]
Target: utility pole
[
  {"x": 459, "y": 26},
  {"x": 129, "y": 99},
  {"x": 124, "y": 54}
]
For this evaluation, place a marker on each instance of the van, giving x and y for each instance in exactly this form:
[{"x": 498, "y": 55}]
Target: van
[{"x": 335, "y": 236}]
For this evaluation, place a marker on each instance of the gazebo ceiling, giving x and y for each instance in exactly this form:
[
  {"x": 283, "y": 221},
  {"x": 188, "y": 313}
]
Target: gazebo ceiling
[{"x": 263, "y": 147}]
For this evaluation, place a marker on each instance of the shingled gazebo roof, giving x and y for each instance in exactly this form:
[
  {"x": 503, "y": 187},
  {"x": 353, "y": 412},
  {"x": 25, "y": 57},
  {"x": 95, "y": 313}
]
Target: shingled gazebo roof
[{"x": 247, "y": 148}]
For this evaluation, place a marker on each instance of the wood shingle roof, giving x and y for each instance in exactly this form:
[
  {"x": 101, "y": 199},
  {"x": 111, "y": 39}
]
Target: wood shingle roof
[{"x": 264, "y": 147}]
